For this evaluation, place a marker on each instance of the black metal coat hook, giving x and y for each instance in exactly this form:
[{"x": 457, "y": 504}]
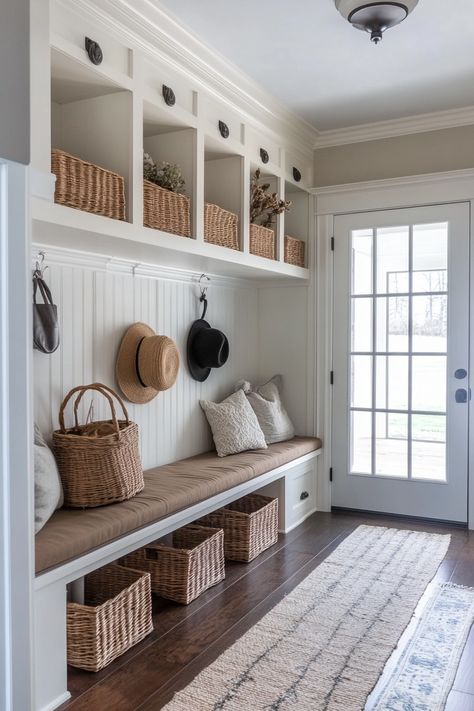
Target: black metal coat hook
[{"x": 203, "y": 297}]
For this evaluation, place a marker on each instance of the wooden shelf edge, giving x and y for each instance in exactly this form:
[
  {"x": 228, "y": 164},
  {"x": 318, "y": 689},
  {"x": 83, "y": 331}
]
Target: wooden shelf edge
[{"x": 63, "y": 226}]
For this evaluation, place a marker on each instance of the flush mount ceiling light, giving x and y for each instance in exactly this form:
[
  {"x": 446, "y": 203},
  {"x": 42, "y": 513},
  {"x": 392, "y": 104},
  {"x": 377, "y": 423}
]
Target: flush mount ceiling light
[{"x": 375, "y": 17}]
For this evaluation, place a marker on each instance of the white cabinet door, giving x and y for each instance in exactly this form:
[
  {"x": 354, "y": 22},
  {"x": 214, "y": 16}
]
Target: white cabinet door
[{"x": 401, "y": 347}]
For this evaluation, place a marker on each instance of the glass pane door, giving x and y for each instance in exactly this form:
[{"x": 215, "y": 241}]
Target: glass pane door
[
  {"x": 399, "y": 292},
  {"x": 401, "y": 313}
]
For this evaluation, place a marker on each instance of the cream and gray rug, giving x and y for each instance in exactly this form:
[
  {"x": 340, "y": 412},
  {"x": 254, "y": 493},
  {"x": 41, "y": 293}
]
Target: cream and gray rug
[{"x": 324, "y": 646}]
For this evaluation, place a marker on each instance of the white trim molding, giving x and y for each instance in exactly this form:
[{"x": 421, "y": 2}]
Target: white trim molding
[
  {"x": 421, "y": 123},
  {"x": 412, "y": 191},
  {"x": 16, "y": 469}
]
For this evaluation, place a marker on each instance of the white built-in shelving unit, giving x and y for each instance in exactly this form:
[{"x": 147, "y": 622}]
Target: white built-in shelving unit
[{"x": 108, "y": 114}]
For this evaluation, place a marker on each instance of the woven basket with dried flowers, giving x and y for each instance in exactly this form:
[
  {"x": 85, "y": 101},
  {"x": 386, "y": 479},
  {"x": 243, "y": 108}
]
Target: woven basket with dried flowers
[
  {"x": 164, "y": 206},
  {"x": 264, "y": 205}
]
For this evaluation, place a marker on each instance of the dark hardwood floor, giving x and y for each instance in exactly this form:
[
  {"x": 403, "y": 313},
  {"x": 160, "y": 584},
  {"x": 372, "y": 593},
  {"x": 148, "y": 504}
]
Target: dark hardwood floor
[{"x": 187, "y": 639}]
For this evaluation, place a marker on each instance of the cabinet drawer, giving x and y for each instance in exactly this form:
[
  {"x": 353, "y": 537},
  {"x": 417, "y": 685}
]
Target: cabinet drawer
[
  {"x": 221, "y": 123},
  {"x": 256, "y": 143},
  {"x": 74, "y": 28},
  {"x": 298, "y": 169},
  {"x": 155, "y": 76},
  {"x": 300, "y": 494}
]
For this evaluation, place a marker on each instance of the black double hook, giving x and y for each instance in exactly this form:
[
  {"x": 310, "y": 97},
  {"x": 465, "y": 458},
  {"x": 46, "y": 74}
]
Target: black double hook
[{"x": 203, "y": 297}]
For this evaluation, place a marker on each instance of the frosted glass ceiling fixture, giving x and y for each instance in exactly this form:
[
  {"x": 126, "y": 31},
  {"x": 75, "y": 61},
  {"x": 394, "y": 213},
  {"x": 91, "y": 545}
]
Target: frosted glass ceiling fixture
[{"x": 375, "y": 17}]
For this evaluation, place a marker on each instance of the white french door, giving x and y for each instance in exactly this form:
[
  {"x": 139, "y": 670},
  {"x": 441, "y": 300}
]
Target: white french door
[{"x": 400, "y": 361}]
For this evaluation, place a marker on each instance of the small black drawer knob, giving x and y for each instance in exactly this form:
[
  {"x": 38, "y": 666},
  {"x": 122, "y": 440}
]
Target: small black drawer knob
[
  {"x": 94, "y": 51},
  {"x": 168, "y": 95},
  {"x": 296, "y": 175},
  {"x": 264, "y": 155},
  {"x": 304, "y": 495},
  {"x": 224, "y": 129}
]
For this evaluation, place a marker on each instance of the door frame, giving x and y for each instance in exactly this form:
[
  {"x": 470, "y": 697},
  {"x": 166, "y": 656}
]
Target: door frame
[
  {"x": 370, "y": 196},
  {"x": 16, "y": 452}
]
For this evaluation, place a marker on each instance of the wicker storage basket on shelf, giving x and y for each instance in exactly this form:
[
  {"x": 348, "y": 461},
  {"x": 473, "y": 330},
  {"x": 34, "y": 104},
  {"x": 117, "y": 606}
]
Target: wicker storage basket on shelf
[
  {"x": 294, "y": 251},
  {"x": 262, "y": 241},
  {"x": 116, "y": 614},
  {"x": 220, "y": 226},
  {"x": 86, "y": 186},
  {"x": 99, "y": 462},
  {"x": 165, "y": 210},
  {"x": 250, "y": 526},
  {"x": 182, "y": 571}
]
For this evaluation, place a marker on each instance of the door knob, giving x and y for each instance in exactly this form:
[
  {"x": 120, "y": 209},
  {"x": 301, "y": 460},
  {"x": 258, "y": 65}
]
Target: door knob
[{"x": 461, "y": 395}]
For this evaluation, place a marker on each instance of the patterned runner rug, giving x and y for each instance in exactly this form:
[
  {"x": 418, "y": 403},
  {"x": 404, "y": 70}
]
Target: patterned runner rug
[
  {"x": 324, "y": 646},
  {"x": 425, "y": 672}
]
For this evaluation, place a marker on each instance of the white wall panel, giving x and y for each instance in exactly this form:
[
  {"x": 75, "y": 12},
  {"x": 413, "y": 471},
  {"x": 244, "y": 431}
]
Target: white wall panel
[
  {"x": 96, "y": 306},
  {"x": 283, "y": 347}
]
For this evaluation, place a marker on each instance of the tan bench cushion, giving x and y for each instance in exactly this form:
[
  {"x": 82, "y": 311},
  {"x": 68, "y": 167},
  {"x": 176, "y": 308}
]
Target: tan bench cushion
[{"x": 71, "y": 533}]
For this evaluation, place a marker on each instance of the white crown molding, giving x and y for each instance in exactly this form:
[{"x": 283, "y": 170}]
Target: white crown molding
[
  {"x": 387, "y": 183},
  {"x": 421, "y": 123},
  {"x": 409, "y": 191},
  {"x": 147, "y": 26}
]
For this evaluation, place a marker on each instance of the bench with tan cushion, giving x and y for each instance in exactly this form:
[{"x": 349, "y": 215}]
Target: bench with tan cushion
[{"x": 71, "y": 533}]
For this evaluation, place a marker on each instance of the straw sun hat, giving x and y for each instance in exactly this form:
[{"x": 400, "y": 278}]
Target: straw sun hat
[{"x": 146, "y": 363}]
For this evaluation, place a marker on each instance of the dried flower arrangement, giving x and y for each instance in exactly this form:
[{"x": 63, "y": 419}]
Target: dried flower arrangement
[
  {"x": 263, "y": 204},
  {"x": 166, "y": 175}
]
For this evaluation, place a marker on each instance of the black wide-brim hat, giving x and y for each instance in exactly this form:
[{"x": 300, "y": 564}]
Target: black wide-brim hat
[{"x": 207, "y": 348}]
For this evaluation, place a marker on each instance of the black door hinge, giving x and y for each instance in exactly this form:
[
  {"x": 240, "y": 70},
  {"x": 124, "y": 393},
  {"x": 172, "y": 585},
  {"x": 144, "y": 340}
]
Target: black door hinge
[
  {"x": 332, "y": 244},
  {"x": 330, "y": 474},
  {"x": 331, "y": 378}
]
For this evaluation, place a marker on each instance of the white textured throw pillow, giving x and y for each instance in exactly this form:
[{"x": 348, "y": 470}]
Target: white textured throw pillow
[
  {"x": 48, "y": 487},
  {"x": 234, "y": 425},
  {"x": 268, "y": 407}
]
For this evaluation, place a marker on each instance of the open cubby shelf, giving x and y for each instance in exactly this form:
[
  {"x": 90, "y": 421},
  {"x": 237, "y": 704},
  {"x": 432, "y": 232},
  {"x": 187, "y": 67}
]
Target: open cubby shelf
[{"x": 109, "y": 119}]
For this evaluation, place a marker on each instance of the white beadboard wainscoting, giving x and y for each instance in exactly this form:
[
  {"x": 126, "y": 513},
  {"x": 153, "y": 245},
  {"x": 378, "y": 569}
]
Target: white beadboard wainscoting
[{"x": 96, "y": 306}]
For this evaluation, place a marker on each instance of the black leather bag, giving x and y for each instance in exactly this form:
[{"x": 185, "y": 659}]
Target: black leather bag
[{"x": 45, "y": 318}]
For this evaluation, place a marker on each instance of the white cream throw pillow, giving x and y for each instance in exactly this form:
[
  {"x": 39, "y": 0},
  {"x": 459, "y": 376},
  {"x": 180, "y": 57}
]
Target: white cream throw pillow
[
  {"x": 268, "y": 407},
  {"x": 234, "y": 425},
  {"x": 48, "y": 487}
]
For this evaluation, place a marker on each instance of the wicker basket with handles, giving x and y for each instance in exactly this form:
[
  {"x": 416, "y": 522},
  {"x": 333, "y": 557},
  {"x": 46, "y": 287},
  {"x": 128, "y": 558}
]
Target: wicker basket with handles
[
  {"x": 250, "y": 526},
  {"x": 99, "y": 462},
  {"x": 184, "y": 569}
]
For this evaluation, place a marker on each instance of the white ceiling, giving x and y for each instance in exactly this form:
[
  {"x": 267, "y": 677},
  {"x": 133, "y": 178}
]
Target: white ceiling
[{"x": 308, "y": 56}]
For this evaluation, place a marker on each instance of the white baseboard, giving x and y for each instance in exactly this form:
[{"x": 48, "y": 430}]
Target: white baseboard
[
  {"x": 56, "y": 703},
  {"x": 297, "y": 523}
]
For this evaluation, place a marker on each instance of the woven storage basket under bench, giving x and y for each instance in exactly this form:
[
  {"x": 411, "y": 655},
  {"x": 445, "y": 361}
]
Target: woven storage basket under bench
[
  {"x": 182, "y": 571},
  {"x": 262, "y": 241},
  {"x": 221, "y": 227},
  {"x": 87, "y": 186},
  {"x": 165, "y": 210},
  {"x": 116, "y": 614},
  {"x": 250, "y": 526}
]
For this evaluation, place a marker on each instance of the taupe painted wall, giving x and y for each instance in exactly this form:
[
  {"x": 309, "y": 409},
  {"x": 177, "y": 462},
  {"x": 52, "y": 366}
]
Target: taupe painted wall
[
  {"x": 15, "y": 80},
  {"x": 415, "y": 154}
]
